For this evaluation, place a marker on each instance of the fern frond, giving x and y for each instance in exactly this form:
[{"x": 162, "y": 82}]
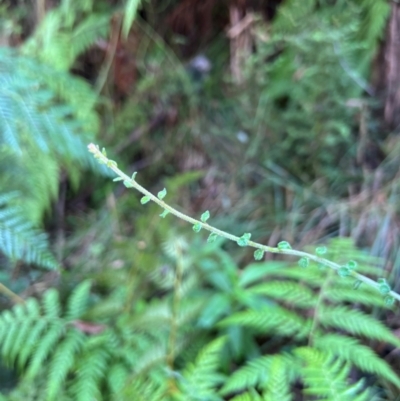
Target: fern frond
[
  {"x": 19, "y": 240},
  {"x": 51, "y": 304},
  {"x": 268, "y": 320},
  {"x": 116, "y": 378},
  {"x": 90, "y": 371},
  {"x": 350, "y": 350},
  {"x": 28, "y": 322},
  {"x": 250, "y": 395},
  {"x": 253, "y": 374},
  {"x": 310, "y": 276},
  {"x": 155, "y": 354},
  {"x": 286, "y": 291},
  {"x": 63, "y": 361},
  {"x": 30, "y": 95},
  {"x": 326, "y": 377},
  {"x": 44, "y": 348},
  {"x": 340, "y": 293},
  {"x": 31, "y": 341},
  {"x": 274, "y": 373},
  {"x": 201, "y": 377},
  {"x": 60, "y": 39},
  {"x": 277, "y": 387},
  {"x": 356, "y": 322},
  {"x": 77, "y": 302},
  {"x": 146, "y": 388}
]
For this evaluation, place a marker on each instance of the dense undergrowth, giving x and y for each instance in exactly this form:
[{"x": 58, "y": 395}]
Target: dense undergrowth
[{"x": 103, "y": 299}]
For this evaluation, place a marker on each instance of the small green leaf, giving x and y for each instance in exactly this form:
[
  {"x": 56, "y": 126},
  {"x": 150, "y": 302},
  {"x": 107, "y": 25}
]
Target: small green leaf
[
  {"x": 133, "y": 175},
  {"x": 104, "y": 152},
  {"x": 205, "y": 216},
  {"x": 389, "y": 301},
  {"x": 321, "y": 250},
  {"x": 212, "y": 237},
  {"x": 351, "y": 264},
  {"x": 284, "y": 245},
  {"x": 357, "y": 284},
  {"x": 164, "y": 213},
  {"x": 258, "y": 254},
  {"x": 161, "y": 194},
  {"x": 128, "y": 184},
  {"x": 304, "y": 262},
  {"x": 111, "y": 163},
  {"x": 117, "y": 179},
  {"x": 244, "y": 239},
  {"x": 145, "y": 200},
  {"x": 197, "y": 227},
  {"x": 384, "y": 289},
  {"x": 343, "y": 271}
]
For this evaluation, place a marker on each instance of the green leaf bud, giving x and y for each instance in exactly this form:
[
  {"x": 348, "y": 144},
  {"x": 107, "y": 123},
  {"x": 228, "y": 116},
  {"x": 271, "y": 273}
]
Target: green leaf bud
[
  {"x": 384, "y": 289},
  {"x": 304, "y": 262},
  {"x": 161, "y": 194},
  {"x": 212, "y": 237},
  {"x": 244, "y": 239},
  {"x": 111, "y": 163},
  {"x": 344, "y": 271},
  {"x": 205, "y": 216},
  {"x": 133, "y": 175},
  {"x": 284, "y": 245},
  {"x": 145, "y": 200},
  {"x": 389, "y": 301},
  {"x": 197, "y": 227},
  {"x": 164, "y": 213},
  {"x": 321, "y": 250},
  {"x": 258, "y": 254},
  {"x": 351, "y": 264},
  {"x": 117, "y": 179}
]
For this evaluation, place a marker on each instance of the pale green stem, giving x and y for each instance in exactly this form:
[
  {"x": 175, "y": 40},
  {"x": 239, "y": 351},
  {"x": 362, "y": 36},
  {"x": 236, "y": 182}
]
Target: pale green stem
[
  {"x": 14, "y": 297},
  {"x": 102, "y": 158}
]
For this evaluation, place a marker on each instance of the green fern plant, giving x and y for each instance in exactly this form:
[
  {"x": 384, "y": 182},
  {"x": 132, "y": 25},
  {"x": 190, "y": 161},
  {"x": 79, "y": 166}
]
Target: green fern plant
[
  {"x": 66, "y": 32},
  {"x": 281, "y": 304},
  {"x": 45, "y": 118},
  {"x": 275, "y": 308},
  {"x": 121, "y": 359},
  {"x": 19, "y": 239},
  {"x": 34, "y": 334}
]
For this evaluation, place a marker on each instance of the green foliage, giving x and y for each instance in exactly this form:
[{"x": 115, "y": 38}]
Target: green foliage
[
  {"x": 45, "y": 108},
  {"x": 323, "y": 366},
  {"x": 187, "y": 322},
  {"x": 66, "y": 32},
  {"x": 219, "y": 315},
  {"x": 47, "y": 116},
  {"x": 19, "y": 240},
  {"x": 130, "y": 11},
  {"x": 327, "y": 377}
]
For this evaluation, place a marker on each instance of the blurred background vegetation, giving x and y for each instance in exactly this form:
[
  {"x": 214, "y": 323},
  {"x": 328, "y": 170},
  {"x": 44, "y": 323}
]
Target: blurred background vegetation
[{"x": 279, "y": 117}]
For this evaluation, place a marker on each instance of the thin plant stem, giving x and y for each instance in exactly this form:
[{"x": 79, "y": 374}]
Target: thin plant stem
[
  {"x": 12, "y": 295},
  {"x": 130, "y": 182}
]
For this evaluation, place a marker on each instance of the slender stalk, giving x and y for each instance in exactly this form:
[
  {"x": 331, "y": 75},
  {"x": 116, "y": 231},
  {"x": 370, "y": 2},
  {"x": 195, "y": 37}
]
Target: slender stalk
[
  {"x": 131, "y": 183},
  {"x": 14, "y": 297}
]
